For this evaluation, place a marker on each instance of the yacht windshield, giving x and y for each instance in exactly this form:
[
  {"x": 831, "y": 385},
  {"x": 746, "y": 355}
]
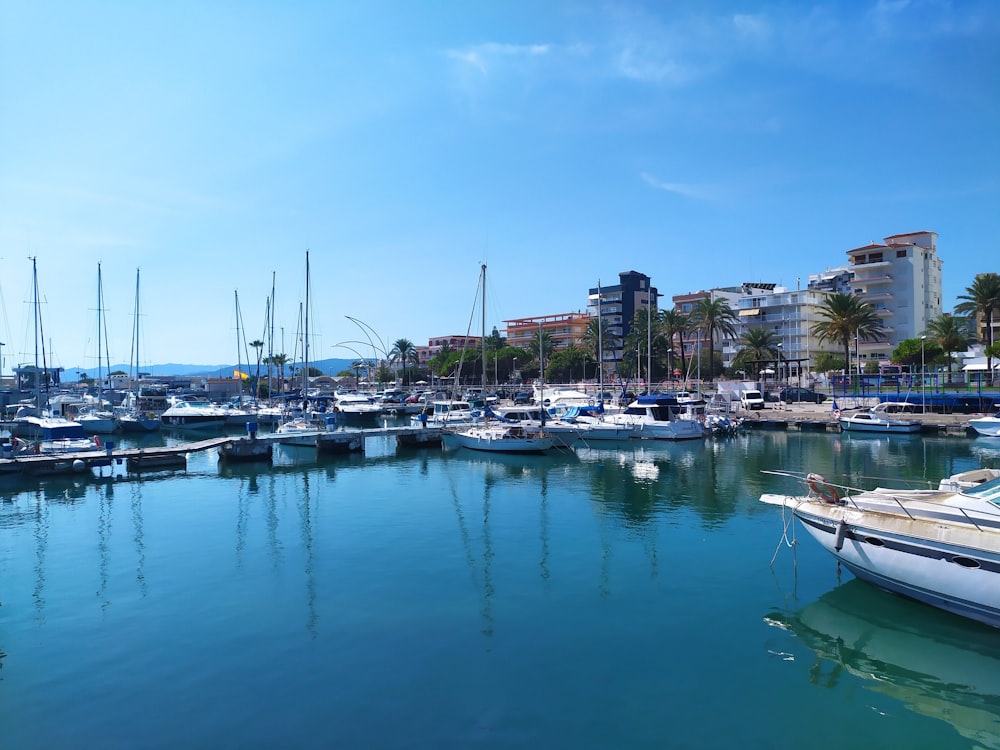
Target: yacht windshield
[{"x": 987, "y": 490}]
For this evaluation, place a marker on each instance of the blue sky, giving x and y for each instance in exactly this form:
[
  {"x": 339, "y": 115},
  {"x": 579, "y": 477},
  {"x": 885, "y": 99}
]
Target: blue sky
[{"x": 403, "y": 143}]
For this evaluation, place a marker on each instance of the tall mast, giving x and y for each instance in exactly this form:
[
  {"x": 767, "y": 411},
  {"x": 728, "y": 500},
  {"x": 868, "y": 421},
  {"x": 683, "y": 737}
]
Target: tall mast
[
  {"x": 305, "y": 346},
  {"x": 600, "y": 345},
  {"x": 484, "y": 331},
  {"x": 99, "y": 374},
  {"x": 34, "y": 294},
  {"x": 649, "y": 338}
]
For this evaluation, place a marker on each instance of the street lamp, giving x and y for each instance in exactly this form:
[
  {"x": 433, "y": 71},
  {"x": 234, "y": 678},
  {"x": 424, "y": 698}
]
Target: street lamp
[
  {"x": 780, "y": 361},
  {"x": 923, "y": 378}
]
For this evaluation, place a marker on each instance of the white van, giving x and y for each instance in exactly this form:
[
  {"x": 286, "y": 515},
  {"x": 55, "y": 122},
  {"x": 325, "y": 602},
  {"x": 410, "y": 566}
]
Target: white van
[{"x": 752, "y": 399}]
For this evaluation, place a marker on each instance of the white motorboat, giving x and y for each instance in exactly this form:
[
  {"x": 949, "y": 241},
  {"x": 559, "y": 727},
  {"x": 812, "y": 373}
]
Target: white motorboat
[
  {"x": 97, "y": 421},
  {"x": 194, "y": 415},
  {"x": 445, "y": 413},
  {"x": 302, "y": 431},
  {"x": 536, "y": 421},
  {"x": 938, "y": 546},
  {"x": 495, "y": 437},
  {"x": 988, "y": 426},
  {"x": 53, "y": 435},
  {"x": 656, "y": 416},
  {"x": 358, "y": 407},
  {"x": 877, "y": 419}
]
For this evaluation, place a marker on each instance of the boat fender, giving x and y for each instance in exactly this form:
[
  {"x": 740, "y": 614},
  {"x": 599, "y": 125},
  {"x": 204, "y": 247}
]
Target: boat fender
[
  {"x": 823, "y": 489},
  {"x": 838, "y": 537},
  {"x": 836, "y": 413},
  {"x": 97, "y": 440}
]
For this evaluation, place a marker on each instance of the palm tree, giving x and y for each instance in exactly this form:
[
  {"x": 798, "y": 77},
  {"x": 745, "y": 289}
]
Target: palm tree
[
  {"x": 598, "y": 335},
  {"x": 403, "y": 352},
  {"x": 982, "y": 298},
  {"x": 673, "y": 323},
  {"x": 846, "y": 316},
  {"x": 711, "y": 317},
  {"x": 258, "y": 345},
  {"x": 278, "y": 360},
  {"x": 545, "y": 340},
  {"x": 951, "y": 333},
  {"x": 759, "y": 345}
]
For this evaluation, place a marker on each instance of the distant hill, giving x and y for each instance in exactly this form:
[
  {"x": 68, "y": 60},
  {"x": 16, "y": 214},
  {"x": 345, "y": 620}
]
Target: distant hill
[{"x": 326, "y": 366}]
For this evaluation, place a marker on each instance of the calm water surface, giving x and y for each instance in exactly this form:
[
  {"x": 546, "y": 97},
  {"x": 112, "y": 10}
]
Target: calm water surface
[{"x": 607, "y": 598}]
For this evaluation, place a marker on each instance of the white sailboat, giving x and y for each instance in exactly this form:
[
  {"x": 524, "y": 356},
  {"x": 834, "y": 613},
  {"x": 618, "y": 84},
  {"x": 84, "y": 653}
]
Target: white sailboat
[
  {"x": 493, "y": 435},
  {"x": 145, "y": 402},
  {"x": 97, "y": 419}
]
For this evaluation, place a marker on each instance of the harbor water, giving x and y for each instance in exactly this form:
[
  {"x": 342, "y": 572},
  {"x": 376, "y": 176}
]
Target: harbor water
[{"x": 616, "y": 596}]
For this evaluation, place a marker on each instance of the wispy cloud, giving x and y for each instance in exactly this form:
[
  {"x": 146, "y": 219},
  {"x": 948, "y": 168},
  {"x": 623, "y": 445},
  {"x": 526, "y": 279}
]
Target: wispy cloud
[
  {"x": 487, "y": 56},
  {"x": 697, "y": 192}
]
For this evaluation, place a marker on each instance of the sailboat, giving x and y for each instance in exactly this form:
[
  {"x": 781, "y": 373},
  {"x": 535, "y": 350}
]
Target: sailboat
[
  {"x": 144, "y": 404},
  {"x": 96, "y": 419},
  {"x": 493, "y": 434},
  {"x": 48, "y": 432}
]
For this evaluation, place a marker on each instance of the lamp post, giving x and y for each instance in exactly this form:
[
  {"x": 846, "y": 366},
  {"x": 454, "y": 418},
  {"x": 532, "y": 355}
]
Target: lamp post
[
  {"x": 514, "y": 375},
  {"x": 923, "y": 378},
  {"x": 780, "y": 361}
]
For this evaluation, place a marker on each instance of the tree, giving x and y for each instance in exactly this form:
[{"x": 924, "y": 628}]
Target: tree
[
  {"x": 673, "y": 324},
  {"x": 712, "y": 317},
  {"x": 982, "y": 300},
  {"x": 599, "y": 336},
  {"x": 759, "y": 345},
  {"x": 545, "y": 340},
  {"x": 844, "y": 317},
  {"x": 951, "y": 333},
  {"x": 279, "y": 361},
  {"x": 914, "y": 352},
  {"x": 403, "y": 352},
  {"x": 828, "y": 362},
  {"x": 565, "y": 361},
  {"x": 258, "y": 345}
]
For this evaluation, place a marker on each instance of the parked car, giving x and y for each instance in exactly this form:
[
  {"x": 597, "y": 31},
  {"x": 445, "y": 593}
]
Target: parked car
[
  {"x": 799, "y": 395},
  {"x": 522, "y": 397}
]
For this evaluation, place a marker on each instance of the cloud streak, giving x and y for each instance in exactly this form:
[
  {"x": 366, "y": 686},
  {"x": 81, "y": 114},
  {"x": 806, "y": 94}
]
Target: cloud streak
[{"x": 695, "y": 192}]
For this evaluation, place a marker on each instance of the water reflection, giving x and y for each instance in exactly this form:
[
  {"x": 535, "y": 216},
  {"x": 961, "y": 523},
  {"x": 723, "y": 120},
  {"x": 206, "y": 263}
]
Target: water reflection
[{"x": 935, "y": 664}]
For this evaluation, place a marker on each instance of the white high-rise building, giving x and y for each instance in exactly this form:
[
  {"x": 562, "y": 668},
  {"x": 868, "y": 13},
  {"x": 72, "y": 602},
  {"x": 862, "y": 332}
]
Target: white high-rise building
[{"x": 901, "y": 277}]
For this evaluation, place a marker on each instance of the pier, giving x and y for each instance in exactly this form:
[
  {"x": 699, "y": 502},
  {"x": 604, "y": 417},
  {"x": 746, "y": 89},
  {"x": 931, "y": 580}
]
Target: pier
[{"x": 137, "y": 460}]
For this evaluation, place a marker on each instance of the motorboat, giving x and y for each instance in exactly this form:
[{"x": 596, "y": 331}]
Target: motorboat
[
  {"x": 877, "y": 419},
  {"x": 536, "y": 421},
  {"x": 357, "y": 407},
  {"x": 302, "y": 431},
  {"x": 445, "y": 412},
  {"x": 938, "y": 546},
  {"x": 96, "y": 420},
  {"x": 496, "y": 437},
  {"x": 141, "y": 409},
  {"x": 656, "y": 416},
  {"x": 194, "y": 415},
  {"x": 52, "y": 435},
  {"x": 988, "y": 426}
]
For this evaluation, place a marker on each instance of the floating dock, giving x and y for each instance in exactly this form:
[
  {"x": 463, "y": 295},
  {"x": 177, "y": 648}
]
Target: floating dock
[{"x": 137, "y": 460}]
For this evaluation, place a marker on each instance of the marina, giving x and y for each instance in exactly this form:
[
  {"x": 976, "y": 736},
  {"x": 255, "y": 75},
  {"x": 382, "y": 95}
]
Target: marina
[{"x": 608, "y": 595}]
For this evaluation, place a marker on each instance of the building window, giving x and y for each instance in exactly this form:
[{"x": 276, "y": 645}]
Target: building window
[
  {"x": 900, "y": 253},
  {"x": 875, "y": 258}
]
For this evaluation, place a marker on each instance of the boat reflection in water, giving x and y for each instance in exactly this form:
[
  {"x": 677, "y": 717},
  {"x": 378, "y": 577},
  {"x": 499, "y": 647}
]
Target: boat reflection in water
[{"x": 935, "y": 664}]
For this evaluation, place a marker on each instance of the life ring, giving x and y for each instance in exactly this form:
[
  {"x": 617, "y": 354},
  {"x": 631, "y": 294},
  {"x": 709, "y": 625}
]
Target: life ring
[
  {"x": 823, "y": 489},
  {"x": 836, "y": 413}
]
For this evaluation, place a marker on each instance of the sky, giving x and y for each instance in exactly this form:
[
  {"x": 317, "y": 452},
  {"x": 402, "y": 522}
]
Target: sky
[{"x": 208, "y": 146}]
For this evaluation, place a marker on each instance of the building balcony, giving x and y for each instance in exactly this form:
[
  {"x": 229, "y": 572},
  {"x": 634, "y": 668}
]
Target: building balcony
[
  {"x": 872, "y": 280},
  {"x": 876, "y": 295},
  {"x": 864, "y": 268}
]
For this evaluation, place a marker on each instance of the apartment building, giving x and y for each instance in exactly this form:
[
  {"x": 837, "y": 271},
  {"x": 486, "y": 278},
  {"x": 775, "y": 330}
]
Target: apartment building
[
  {"x": 563, "y": 329},
  {"x": 619, "y": 304},
  {"x": 901, "y": 277}
]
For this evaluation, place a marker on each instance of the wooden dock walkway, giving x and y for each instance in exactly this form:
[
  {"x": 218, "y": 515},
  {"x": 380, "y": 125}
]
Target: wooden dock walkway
[{"x": 175, "y": 456}]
